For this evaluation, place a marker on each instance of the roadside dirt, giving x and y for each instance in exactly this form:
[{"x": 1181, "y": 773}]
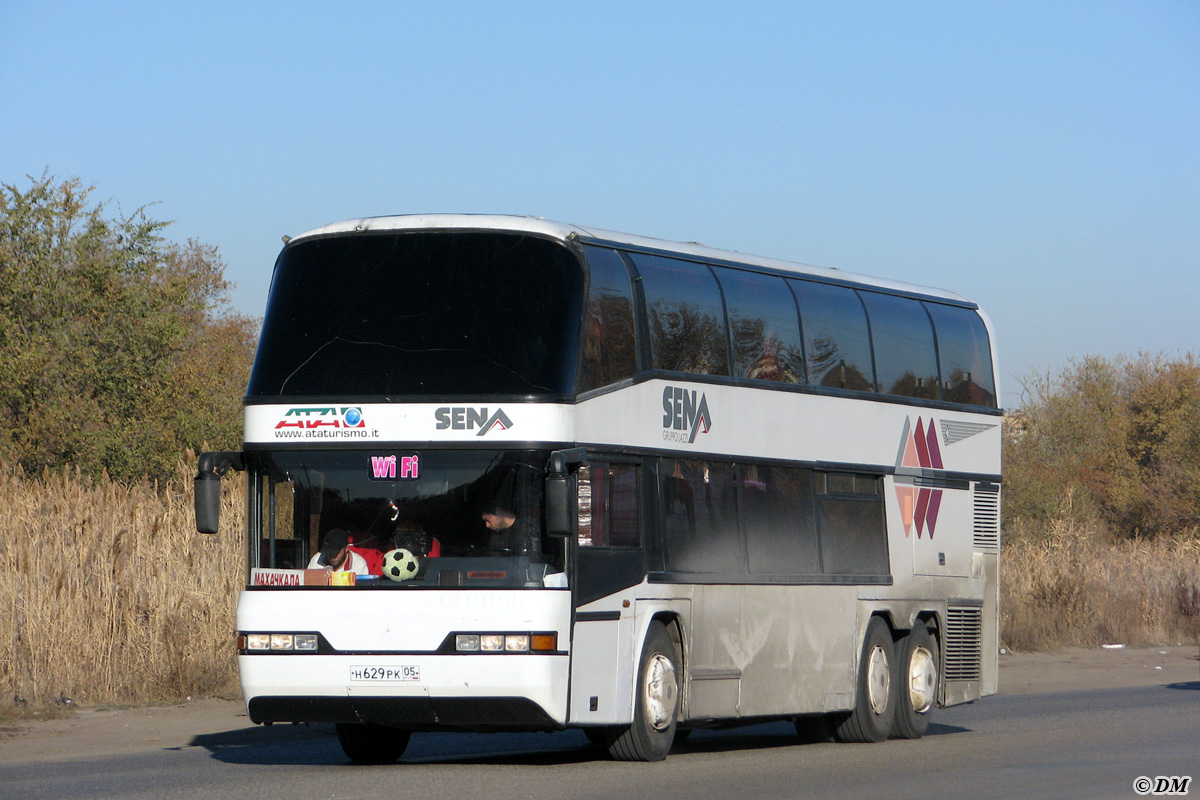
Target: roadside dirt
[{"x": 99, "y": 732}]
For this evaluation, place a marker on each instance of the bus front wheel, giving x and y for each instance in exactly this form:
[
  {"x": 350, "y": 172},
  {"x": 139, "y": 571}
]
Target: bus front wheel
[
  {"x": 656, "y": 702},
  {"x": 368, "y": 743},
  {"x": 917, "y": 660},
  {"x": 875, "y": 692}
]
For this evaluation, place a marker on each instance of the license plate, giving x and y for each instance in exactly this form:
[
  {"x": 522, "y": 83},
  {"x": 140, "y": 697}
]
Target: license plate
[{"x": 385, "y": 674}]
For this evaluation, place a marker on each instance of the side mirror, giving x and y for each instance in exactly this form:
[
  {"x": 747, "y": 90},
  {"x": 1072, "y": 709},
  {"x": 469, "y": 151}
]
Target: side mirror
[
  {"x": 207, "y": 485},
  {"x": 560, "y": 516},
  {"x": 208, "y": 502},
  {"x": 558, "y": 506}
]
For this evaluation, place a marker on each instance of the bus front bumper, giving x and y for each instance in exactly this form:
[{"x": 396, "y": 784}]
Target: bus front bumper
[{"x": 462, "y": 692}]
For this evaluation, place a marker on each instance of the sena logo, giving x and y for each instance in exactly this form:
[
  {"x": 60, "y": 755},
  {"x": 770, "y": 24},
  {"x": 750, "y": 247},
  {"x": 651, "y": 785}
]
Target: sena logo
[
  {"x": 468, "y": 419},
  {"x": 322, "y": 417},
  {"x": 683, "y": 416}
]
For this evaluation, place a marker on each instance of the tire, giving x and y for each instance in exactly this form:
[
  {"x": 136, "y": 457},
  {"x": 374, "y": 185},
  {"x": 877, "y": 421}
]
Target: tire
[
  {"x": 368, "y": 743},
  {"x": 875, "y": 689},
  {"x": 656, "y": 702},
  {"x": 916, "y": 695}
]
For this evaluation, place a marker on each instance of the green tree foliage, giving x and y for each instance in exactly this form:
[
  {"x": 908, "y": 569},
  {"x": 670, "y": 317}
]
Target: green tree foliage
[
  {"x": 117, "y": 347},
  {"x": 1114, "y": 442}
]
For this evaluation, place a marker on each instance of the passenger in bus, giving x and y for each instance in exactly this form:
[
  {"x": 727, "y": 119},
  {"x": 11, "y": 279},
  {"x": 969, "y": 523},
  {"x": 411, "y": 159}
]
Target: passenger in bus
[{"x": 335, "y": 554}]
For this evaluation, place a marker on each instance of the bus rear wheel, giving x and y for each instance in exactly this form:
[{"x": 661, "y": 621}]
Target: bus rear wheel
[
  {"x": 917, "y": 660},
  {"x": 875, "y": 692},
  {"x": 368, "y": 743},
  {"x": 656, "y": 702}
]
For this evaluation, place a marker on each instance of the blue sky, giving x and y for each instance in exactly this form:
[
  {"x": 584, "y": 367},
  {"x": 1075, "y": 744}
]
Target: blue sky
[{"x": 1041, "y": 158}]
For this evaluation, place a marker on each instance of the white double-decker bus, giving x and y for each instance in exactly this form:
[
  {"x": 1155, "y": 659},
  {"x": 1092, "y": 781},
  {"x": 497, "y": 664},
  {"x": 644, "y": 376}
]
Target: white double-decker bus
[{"x": 608, "y": 482}]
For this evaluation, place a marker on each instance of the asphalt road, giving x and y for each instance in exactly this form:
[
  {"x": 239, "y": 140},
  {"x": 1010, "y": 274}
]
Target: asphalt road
[{"x": 1080, "y": 744}]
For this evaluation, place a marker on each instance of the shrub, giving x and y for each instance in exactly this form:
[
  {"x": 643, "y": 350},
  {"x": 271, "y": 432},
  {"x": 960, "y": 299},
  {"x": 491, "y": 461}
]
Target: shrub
[
  {"x": 117, "y": 349},
  {"x": 1112, "y": 445}
]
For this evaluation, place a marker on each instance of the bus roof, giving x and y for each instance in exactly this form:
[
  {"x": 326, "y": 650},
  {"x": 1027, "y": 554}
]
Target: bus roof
[{"x": 568, "y": 232}]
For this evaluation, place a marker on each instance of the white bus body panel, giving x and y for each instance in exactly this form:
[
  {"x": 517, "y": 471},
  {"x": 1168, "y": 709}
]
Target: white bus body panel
[
  {"x": 358, "y": 621},
  {"x": 743, "y": 422},
  {"x": 781, "y": 425}
]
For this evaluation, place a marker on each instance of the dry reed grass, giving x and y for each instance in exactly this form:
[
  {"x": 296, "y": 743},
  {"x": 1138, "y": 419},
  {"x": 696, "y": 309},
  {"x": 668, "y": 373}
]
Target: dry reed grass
[
  {"x": 108, "y": 594},
  {"x": 1068, "y": 585}
]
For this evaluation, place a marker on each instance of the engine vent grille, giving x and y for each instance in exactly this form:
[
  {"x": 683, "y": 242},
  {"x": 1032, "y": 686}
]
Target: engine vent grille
[
  {"x": 986, "y": 537},
  {"x": 964, "y": 644}
]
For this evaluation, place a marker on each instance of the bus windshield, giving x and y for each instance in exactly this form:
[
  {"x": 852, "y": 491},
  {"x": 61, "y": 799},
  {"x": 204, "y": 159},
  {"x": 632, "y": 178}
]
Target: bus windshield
[
  {"x": 468, "y": 518},
  {"x": 415, "y": 314}
]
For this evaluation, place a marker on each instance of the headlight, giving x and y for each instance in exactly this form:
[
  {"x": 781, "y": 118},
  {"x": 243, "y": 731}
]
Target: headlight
[
  {"x": 278, "y": 642},
  {"x": 506, "y": 643},
  {"x": 258, "y": 641}
]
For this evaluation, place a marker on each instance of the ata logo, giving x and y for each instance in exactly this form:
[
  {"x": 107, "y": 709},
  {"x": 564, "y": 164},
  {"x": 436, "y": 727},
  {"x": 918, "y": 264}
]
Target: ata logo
[
  {"x": 919, "y": 449},
  {"x": 468, "y": 419},
  {"x": 322, "y": 417},
  {"x": 683, "y": 417}
]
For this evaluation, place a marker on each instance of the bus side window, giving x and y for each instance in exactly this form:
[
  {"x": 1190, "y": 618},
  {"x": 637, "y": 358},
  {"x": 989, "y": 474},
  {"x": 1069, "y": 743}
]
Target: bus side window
[
  {"x": 608, "y": 506},
  {"x": 781, "y": 531},
  {"x": 902, "y": 335},
  {"x": 851, "y": 520},
  {"x": 701, "y": 530},
  {"x": 965, "y": 355},
  {"x": 609, "y": 350},
  {"x": 836, "y": 343},
  {"x": 685, "y": 316},
  {"x": 762, "y": 321},
  {"x": 623, "y": 506}
]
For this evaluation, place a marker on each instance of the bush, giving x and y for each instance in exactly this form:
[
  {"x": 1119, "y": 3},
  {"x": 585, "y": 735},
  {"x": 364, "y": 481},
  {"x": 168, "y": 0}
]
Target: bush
[
  {"x": 1111, "y": 445},
  {"x": 117, "y": 349}
]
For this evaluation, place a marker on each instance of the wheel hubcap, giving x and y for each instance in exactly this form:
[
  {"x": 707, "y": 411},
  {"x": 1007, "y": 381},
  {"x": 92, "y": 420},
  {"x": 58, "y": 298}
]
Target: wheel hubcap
[
  {"x": 661, "y": 692},
  {"x": 879, "y": 680},
  {"x": 922, "y": 680}
]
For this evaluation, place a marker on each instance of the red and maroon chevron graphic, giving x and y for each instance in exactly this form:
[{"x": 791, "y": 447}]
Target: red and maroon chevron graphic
[{"x": 918, "y": 504}]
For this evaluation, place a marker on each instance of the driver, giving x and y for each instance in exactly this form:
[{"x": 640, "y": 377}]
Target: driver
[{"x": 509, "y": 532}]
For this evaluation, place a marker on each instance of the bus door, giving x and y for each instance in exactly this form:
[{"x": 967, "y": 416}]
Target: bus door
[{"x": 610, "y": 562}]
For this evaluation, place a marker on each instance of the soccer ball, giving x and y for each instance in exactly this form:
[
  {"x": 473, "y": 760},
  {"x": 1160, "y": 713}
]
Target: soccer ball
[{"x": 400, "y": 565}]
